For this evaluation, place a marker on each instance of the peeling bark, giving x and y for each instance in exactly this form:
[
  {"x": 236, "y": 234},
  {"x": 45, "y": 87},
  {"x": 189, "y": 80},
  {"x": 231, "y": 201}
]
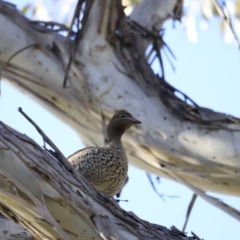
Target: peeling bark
[
  {"x": 53, "y": 203},
  {"x": 108, "y": 72},
  {"x": 10, "y": 230}
]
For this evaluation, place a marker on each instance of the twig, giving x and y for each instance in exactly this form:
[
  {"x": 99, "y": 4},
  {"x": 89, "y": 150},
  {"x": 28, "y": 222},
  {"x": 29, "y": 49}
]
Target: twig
[
  {"x": 58, "y": 153},
  {"x": 157, "y": 42},
  {"x": 44, "y": 27},
  {"x": 196, "y": 237},
  {"x": 21, "y": 50},
  {"x": 78, "y": 34},
  {"x": 226, "y": 17},
  {"x": 72, "y": 51},
  {"x": 75, "y": 15},
  {"x": 156, "y": 191},
  {"x": 190, "y": 207},
  {"x": 169, "y": 60}
]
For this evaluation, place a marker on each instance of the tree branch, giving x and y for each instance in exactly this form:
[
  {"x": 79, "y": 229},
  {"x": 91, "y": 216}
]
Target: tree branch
[
  {"x": 152, "y": 14},
  {"x": 55, "y": 205},
  {"x": 178, "y": 139},
  {"x": 224, "y": 13}
]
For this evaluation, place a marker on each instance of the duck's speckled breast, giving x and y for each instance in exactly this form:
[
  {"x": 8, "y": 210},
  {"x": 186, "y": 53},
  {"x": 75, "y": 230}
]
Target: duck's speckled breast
[{"x": 105, "y": 168}]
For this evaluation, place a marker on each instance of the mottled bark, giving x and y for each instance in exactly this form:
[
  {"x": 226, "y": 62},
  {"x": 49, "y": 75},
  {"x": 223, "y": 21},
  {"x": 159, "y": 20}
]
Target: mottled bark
[
  {"x": 109, "y": 71},
  {"x": 55, "y": 203}
]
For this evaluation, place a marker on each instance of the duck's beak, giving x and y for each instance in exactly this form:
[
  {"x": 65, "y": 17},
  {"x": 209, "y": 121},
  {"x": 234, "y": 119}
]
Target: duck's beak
[{"x": 135, "y": 121}]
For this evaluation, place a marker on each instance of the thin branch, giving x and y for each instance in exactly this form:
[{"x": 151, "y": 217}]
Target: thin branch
[
  {"x": 190, "y": 207},
  {"x": 75, "y": 16},
  {"x": 231, "y": 211},
  {"x": 156, "y": 191},
  {"x": 51, "y": 27},
  {"x": 224, "y": 13},
  {"x": 79, "y": 32},
  {"x": 169, "y": 60},
  {"x": 57, "y": 152},
  {"x": 21, "y": 50}
]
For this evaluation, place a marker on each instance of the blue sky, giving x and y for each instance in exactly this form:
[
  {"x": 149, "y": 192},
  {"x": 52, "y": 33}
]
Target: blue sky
[{"x": 208, "y": 72}]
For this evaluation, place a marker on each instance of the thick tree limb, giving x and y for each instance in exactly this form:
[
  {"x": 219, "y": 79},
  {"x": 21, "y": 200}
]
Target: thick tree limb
[
  {"x": 178, "y": 139},
  {"x": 41, "y": 194}
]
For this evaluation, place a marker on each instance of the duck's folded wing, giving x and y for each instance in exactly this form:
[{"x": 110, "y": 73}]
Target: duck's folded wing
[{"x": 78, "y": 156}]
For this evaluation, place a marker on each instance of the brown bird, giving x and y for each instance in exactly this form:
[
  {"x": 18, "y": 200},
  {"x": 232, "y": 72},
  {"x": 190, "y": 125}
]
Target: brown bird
[{"x": 106, "y": 167}]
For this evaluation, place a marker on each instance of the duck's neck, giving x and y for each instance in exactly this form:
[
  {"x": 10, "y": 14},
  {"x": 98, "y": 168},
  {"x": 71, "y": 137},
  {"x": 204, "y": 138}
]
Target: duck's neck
[
  {"x": 114, "y": 137},
  {"x": 115, "y": 143}
]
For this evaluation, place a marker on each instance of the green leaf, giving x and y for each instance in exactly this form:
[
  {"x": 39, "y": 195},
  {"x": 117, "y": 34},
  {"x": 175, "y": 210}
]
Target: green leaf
[{"x": 25, "y": 9}]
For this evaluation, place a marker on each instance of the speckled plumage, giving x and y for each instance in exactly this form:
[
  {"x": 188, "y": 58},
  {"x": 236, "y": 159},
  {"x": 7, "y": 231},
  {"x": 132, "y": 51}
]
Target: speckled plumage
[
  {"x": 106, "y": 167},
  {"x": 100, "y": 166}
]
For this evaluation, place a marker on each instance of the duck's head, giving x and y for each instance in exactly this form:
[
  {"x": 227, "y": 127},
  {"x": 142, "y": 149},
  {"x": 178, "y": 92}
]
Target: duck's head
[{"x": 119, "y": 123}]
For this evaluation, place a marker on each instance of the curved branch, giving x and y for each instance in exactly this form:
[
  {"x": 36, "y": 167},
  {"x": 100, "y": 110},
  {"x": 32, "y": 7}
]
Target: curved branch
[
  {"x": 52, "y": 203},
  {"x": 110, "y": 72}
]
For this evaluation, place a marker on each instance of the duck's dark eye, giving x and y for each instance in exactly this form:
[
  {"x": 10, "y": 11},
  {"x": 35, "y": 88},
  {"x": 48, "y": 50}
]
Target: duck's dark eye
[{"x": 122, "y": 116}]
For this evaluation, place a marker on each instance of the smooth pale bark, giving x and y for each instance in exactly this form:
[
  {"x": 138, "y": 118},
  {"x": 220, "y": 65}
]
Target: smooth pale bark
[
  {"x": 10, "y": 230},
  {"x": 188, "y": 144},
  {"x": 152, "y": 14},
  {"x": 54, "y": 203}
]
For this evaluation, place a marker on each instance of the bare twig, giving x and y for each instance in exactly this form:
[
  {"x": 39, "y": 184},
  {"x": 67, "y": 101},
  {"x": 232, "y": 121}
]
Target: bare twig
[
  {"x": 190, "y": 207},
  {"x": 57, "y": 152},
  {"x": 76, "y": 16},
  {"x": 21, "y": 50},
  {"x": 157, "y": 47},
  {"x": 156, "y": 191},
  {"x": 51, "y": 27},
  {"x": 224, "y": 13}
]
